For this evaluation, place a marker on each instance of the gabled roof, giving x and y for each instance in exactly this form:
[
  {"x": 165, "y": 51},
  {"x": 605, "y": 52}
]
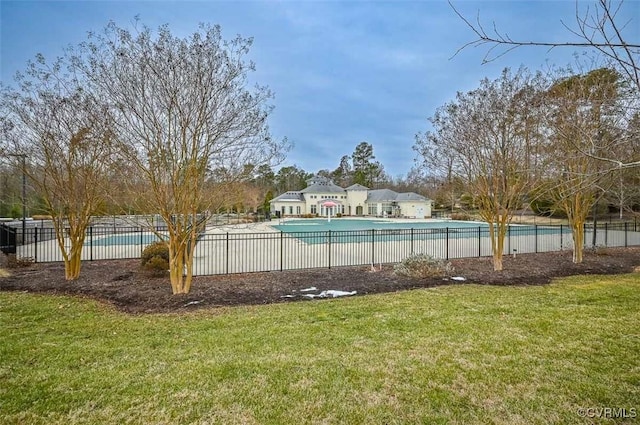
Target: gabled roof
[
  {"x": 289, "y": 196},
  {"x": 382, "y": 195},
  {"x": 410, "y": 196},
  {"x": 357, "y": 187},
  {"x": 319, "y": 184}
]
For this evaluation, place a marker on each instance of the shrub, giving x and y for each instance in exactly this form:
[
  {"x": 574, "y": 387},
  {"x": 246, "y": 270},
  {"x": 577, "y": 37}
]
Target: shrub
[
  {"x": 422, "y": 266},
  {"x": 13, "y": 262},
  {"x": 155, "y": 258},
  {"x": 462, "y": 216}
]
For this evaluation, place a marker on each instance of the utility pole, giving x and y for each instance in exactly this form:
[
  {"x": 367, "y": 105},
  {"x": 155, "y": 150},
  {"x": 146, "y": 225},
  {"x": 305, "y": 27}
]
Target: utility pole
[{"x": 24, "y": 192}]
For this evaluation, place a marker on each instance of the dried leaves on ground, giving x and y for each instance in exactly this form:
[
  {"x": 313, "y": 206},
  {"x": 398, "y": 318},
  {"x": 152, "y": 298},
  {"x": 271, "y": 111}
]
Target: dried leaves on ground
[{"x": 123, "y": 284}]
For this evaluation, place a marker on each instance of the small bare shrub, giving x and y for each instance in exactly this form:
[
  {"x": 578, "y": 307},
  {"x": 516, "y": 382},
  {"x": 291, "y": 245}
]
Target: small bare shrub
[
  {"x": 423, "y": 266},
  {"x": 461, "y": 216},
  {"x": 601, "y": 250},
  {"x": 155, "y": 258},
  {"x": 13, "y": 262}
]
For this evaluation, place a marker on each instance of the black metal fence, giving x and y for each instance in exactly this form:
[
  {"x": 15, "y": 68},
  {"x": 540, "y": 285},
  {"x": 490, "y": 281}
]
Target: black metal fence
[{"x": 225, "y": 253}]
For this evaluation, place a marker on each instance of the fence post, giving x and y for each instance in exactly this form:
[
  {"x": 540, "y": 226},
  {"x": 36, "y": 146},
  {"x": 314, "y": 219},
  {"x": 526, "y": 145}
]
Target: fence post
[
  {"x": 535, "y": 237},
  {"x": 606, "y": 234},
  {"x": 561, "y": 237},
  {"x": 412, "y": 241},
  {"x": 373, "y": 246},
  {"x": 329, "y": 249},
  {"x": 625, "y": 234},
  {"x": 141, "y": 248},
  {"x": 90, "y": 243},
  {"x": 447, "y": 244},
  {"x": 479, "y": 241},
  {"x": 226, "y": 267},
  {"x": 35, "y": 244},
  {"x": 281, "y": 249},
  {"x": 508, "y": 239}
]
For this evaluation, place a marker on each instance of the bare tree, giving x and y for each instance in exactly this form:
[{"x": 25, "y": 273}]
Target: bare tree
[
  {"x": 65, "y": 134},
  {"x": 598, "y": 29},
  {"x": 582, "y": 113},
  {"x": 487, "y": 139},
  {"x": 182, "y": 108}
]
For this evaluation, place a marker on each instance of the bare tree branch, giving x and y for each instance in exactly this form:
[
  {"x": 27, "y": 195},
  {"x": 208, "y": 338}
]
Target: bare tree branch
[{"x": 598, "y": 29}]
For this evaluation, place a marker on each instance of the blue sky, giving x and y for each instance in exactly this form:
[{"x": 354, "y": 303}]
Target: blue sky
[{"x": 343, "y": 72}]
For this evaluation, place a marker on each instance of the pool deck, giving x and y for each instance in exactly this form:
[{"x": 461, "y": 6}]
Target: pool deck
[{"x": 254, "y": 247}]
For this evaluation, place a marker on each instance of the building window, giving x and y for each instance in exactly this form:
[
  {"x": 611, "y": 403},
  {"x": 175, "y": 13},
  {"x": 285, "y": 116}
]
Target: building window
[
  {"x": 298, "y": 210},
  {"x": 343, "y": 210},
  {"x": 290, "y": 210},
  {"x": 387, "y": 208},
  {"x": 373, "y": 209},
  {"x": 313, "y": 209},
  {"x": 283, "y": 210}
]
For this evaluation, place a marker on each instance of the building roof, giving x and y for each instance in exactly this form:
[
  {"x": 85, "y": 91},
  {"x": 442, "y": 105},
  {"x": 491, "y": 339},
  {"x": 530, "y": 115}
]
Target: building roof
[
  {"x": 323, "y": 185},
  {"x": 410, "y": 196},
  {"x": 288, "y": 197},
  {"x": 357, "y": 187},
  {"x": 319, "y": 184},
  {"x": 378, "y": 195}
]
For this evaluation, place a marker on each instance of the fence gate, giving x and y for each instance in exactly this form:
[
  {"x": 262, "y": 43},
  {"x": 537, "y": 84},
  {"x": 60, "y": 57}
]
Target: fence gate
[{"x": 7, "y": 239}]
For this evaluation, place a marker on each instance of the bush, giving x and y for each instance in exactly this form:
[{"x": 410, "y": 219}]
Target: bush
[
  {"x": 155, "y": 258},
  {"x": 461, "y": 216},
  {"x": 423, "y": 266},
  {"x": 13, "y": 262}
]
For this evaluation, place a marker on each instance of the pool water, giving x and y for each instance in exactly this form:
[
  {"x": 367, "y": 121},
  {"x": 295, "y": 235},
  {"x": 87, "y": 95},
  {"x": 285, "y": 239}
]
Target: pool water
[
  {"x": 317, "y": 231},
  {"x": 339, "y": 224}
]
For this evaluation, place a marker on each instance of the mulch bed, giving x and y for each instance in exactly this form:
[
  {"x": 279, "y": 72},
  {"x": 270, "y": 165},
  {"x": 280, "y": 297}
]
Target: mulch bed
[{"x": 122, "y": 284}]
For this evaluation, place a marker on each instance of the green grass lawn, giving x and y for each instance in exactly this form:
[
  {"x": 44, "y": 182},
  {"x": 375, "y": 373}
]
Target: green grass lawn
[{"x": 451, "y": 355}]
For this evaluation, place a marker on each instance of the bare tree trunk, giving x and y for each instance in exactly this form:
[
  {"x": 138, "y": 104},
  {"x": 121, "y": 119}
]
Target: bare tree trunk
[
  {"x": 496, "y": 234},
  {"x": 176, "y": 265},
  {"x": 577, "y": 229},
  {"x": 71, "y": 256},
  {"x": 74, "y": 262}
]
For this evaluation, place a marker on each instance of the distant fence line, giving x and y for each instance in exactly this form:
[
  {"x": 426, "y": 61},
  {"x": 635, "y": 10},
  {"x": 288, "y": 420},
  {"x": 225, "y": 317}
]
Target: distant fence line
[{"x": 227, "y": 253}]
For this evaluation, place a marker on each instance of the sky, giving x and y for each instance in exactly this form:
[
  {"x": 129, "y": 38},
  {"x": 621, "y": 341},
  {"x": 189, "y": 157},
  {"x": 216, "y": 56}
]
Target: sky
[{"x": 343, "y": 72}]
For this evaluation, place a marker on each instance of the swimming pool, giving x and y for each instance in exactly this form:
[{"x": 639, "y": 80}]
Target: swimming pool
[
  {"x": 340, "y": 224},
  {"x": 317, "y": 231}
]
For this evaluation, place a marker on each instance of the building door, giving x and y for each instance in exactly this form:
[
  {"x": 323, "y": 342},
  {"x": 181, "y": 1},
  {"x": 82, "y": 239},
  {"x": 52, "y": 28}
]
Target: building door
[
  {"x": 359, "y": 210},
  {"x": 419, "y": 212}
]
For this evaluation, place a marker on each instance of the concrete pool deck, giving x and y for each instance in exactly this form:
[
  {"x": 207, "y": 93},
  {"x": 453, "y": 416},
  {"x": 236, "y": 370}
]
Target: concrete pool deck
[{"x": 253, "y": 247}]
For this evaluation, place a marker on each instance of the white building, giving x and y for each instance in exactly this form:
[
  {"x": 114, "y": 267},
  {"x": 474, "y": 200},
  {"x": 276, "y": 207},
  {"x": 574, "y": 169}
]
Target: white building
[{"x": 356, "y": 200}]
